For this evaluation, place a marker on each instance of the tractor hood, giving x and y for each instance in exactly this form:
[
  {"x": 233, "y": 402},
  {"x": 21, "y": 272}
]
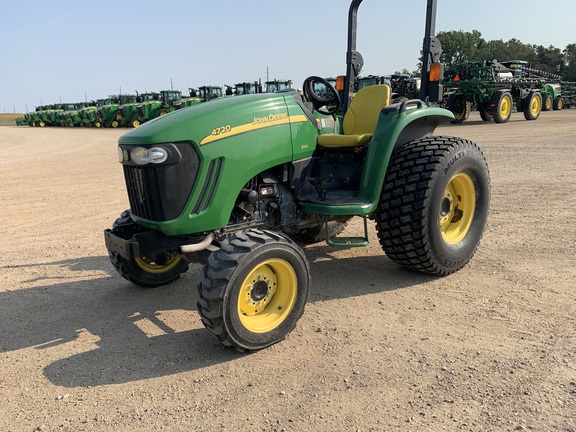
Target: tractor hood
[
  {"x": 225, "y": 141},
  {"x": 219, "y": 119}
]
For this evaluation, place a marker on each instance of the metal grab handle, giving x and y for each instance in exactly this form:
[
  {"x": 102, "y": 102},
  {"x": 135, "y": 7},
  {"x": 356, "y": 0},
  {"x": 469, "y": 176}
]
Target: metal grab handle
[{"x": 405, "y": 104}]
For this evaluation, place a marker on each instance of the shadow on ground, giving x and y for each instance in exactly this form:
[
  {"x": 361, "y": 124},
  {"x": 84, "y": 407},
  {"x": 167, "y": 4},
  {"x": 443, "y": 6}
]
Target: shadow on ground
[{"x": 108, "y": 308}]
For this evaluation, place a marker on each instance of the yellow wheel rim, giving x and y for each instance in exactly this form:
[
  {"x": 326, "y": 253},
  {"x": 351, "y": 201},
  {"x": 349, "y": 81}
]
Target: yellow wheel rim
[
  {"x": 164, "y": 112},
  {"x": 505, "y": 106},
  {"x": 457, "y": 208},
  {"x": 560, "y": 104},
  {"x": 135, "y": 123},
  {"x": 535, "y": 105},
  {"x": 267, "y": 295},
  {"x": 548, "y": 103},
  {"x": 114, "y": 124},
  {"x": 149, "y": 266},
  {"x": 459, "y": 115}
]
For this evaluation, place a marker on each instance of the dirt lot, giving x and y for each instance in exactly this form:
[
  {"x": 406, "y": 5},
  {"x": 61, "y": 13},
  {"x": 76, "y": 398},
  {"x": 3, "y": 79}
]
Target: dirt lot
[{"x": 379, "y": 348}]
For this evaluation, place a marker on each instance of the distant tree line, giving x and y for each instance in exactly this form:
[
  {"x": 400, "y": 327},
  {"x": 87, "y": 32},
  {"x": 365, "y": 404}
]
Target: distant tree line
[{"x": 459, "y": 46}]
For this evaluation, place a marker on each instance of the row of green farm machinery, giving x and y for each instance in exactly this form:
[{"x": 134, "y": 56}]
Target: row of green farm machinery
[
  {"x": 131, "y": 110},
  {"x": 492, "y": 88}
]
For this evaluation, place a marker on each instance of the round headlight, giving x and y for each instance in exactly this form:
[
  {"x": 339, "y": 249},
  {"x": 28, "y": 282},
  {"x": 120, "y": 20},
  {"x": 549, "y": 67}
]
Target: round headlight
[{"x": 154, "y": 155}]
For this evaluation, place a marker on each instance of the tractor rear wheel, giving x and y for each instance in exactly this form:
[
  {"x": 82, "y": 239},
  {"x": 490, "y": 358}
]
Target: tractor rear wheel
[
  {"x": 143, "y": 271},
  {"x": 503, "y": 108},
  {"x": 434, "y": 204},
  {"x": 532, "y": 106},
  {"x": 254, "y": 289}
]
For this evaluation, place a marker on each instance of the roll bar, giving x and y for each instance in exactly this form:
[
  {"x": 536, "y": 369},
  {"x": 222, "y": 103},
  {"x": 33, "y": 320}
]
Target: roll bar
[{"x": 430, "y": 90}]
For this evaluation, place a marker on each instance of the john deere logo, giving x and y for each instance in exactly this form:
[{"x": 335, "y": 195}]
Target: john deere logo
[{"x": 270, "y": 118}]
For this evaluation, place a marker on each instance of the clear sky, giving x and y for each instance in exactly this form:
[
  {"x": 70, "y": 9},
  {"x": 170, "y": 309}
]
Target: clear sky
[{"x": 72, "y": 50}]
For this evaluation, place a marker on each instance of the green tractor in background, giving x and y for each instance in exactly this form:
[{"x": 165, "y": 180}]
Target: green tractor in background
[
  {"x": 552, "y": 97},
  {"x": 37, "y": 117},
  {"x": 69, "y": 117},
  {"x": 127, "y": 115},
  {"x": 90, "y": 115},
  {"x": 109, "y": 114},
  {"x": 153, "y": 108},
  {"x": 233, "y": 182},
  {"x": 277, "y": 85},
  {"x": 207, "y": 93},
  {"x": 192, "y": 99},
  {"x": 247, "y": 88}
]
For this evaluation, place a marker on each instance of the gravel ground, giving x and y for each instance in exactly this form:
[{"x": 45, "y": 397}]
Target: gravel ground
[{"x": 379, "y": 348}]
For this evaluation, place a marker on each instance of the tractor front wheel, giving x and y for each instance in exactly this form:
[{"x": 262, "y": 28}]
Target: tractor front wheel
[
  {"x": 254, "y": 289},
  {"x": 546, "y": 102},
  {"x": 146, "y": 272},
  {"x": 135, "y": 123},
  {"x": 434, "y": 204}
]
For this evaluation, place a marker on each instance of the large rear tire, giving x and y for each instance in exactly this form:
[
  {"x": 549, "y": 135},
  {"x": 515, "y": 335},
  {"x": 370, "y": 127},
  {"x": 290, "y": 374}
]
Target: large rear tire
[
  {"x": 143, "y": 271},
  {"x": 254, "y": 289},
  {"x": 434, "y": 204}
]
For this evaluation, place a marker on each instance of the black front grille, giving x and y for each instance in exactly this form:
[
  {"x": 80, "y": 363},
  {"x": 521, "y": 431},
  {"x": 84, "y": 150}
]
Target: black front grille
[{"x": 159, "y": 192}]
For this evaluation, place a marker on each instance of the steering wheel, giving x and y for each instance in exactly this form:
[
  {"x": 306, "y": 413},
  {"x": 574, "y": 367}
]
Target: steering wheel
[{"x": 322, "y": 94}]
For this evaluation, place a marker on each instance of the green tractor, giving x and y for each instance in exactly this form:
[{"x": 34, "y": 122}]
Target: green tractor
[
  {"x": 66, "y": 116},
  {"x": 164, "y": 104},
  {"x": 278, "y": 85},
  {"x": 233, "y": 182},
  {"x": 552, "y": 97},
  {"x": 90, "y": 115},
  {"x": 127, "y": 116},
  {"x": 109, "y": 114},
  {"x": 207, "y": 93},
  {"x": 247, "y": 88},
  {"x": 38, "y": 116},
  {"x": 192, "y": 99}
]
